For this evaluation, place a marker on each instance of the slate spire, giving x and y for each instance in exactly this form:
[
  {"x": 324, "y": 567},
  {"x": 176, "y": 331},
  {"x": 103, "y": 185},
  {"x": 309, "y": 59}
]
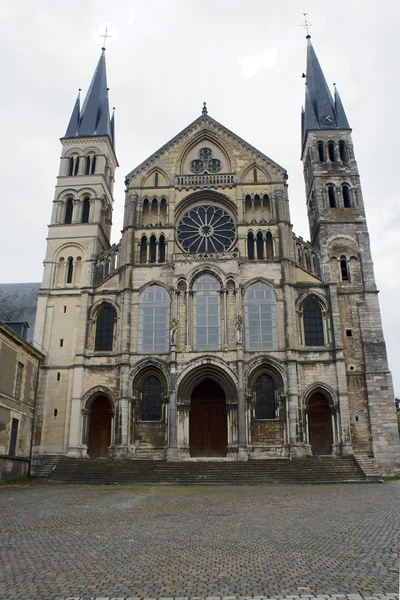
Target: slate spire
[
  {"x": 321, "y": 111},
  {"x": 94, "y": 117}
]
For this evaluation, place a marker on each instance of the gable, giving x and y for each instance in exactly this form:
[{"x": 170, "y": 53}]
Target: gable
[{"x": 233, "y": 153}]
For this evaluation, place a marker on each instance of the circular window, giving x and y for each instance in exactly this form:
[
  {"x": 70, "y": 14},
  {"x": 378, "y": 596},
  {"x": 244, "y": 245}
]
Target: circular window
[{"x": 206, "y": 228}]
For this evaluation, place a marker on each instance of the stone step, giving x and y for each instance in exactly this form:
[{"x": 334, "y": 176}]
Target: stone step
[{"x": 310, "y": 470}]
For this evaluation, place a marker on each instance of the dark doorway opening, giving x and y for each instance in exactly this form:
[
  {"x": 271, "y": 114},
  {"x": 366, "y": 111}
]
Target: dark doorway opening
[
  {"x": 320, "y": 425},
  {"x": 208, "y": 435},
  {"x": 100, "y": 428}
]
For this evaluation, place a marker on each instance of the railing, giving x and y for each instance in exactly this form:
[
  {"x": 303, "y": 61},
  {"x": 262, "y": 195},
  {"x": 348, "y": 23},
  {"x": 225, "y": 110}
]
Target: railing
[
  {"x": 203, "y": 180},
  {"x": 106, "y": 264},
  {"x": 306, "y": 257},
  {"x": 207, "y": 255}
]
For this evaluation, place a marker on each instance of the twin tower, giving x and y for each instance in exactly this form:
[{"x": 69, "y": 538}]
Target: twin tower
[{"x": 210, "y": 329}]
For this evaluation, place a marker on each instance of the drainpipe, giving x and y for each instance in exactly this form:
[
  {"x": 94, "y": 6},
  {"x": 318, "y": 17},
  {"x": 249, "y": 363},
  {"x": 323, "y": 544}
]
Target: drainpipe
[{"x": 34, "y": 416}]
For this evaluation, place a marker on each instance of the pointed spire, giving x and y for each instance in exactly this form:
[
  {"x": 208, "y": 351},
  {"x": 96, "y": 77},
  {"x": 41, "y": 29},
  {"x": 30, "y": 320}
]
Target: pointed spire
[
  {"x": 73, "y": 124},
  {"x": 321, "y": 110},
  {"x": 94, "y": 118},
  {"x": 112, "y": 128}
]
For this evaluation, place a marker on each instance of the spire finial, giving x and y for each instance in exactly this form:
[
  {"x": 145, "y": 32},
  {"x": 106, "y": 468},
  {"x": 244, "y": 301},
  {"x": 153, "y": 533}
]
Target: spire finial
[
  {"x": 105, "y": 36},
  {"x": 204, "y": 111},
  {"x": 306, "y": 26}
]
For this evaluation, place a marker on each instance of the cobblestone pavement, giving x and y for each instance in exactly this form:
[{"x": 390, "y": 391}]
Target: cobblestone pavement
[{"x": 59, "y": 541}]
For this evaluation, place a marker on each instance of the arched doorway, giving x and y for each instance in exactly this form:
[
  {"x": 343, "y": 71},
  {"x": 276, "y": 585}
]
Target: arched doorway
[
  {"x": 100, "y": 427},
  {"x": 319, "y": 424},
  {"x": 208, "y": 434}
]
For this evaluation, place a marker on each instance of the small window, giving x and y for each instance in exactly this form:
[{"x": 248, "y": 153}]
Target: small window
[
  {"x": 161, "y": 249},
  {"x": 265, "y": 398},
  {"x": 332, "y": 196},
  {"x": 153, "y": 249},
  {"x": 255, "y": 175},
  {"x": 342, "y": 151},
  {"x": 58, "y": 376},
  {"x": 65, "y": 309},
  {"x": 332, "y": 151},
  {"x": 105, "y": 329},
  {"x": 55, "y": 412},
  {"x": 85, "y": 210},
  {"x": 269, "y": 245},
  {"x": 152, "y": 399},
  {"x": 321, "y": 152},
  {"x": 61, "y": 343},
  {"x": 13, "y": 437},
  {"x": 346, "y": 196},
  {"x": 76, "y": 166},
  {"x": 344, "y": 269},
  {"x": 156, "y": 180},
  {"x": 68, "y": 212},
  {"x": 250, "y": 245},
  {"x": 349, "y": 332},
  {"x": 70, "y": 269},
  {"x": 87, "y": 167},
  {"x": 260, "y": 246},
  {"x": 93, "y": 167},
  {"x": 313, "y": 325},
  {"x": 143, "y": 249},
  {"x": 71, "y": 166}
]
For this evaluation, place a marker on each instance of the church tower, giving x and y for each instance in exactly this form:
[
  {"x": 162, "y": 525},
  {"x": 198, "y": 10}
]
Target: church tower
[
  {"x": 79, "y": 232},
  {"x": 338, "y": 231}
]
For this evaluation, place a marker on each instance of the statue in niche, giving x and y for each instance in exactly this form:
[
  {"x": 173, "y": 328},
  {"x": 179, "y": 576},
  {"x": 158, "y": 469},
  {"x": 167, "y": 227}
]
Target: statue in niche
[
  {"x": 173, "y": 331},
  {"x": 239, "y": 329}
]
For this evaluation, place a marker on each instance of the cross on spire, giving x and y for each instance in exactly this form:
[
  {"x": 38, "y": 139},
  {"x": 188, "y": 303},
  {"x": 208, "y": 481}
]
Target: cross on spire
[
  {"x": 306, "y": 25},
  {"x": 105, "y": 36}
]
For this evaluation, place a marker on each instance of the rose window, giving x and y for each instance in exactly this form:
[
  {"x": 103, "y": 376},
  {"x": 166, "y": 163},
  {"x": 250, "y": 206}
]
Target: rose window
[
  {"x": 205, "y": 162},
  {"x": 206, "y": 228}
]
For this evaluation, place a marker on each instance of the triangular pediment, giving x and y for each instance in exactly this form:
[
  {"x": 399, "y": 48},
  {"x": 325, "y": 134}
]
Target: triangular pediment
[{"x": 236, "y": 155}]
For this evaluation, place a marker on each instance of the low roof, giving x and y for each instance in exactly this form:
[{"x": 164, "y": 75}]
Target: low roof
[{"x": 18, "y": 304}]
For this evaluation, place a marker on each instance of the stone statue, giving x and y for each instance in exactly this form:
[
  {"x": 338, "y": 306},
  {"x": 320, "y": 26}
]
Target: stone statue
[
  {"x": 172, "y": 334},
  {"x": 239, "y": 329}
]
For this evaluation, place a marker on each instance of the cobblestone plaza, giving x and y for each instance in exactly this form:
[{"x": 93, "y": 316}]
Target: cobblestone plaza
[{"x": 69, "y": 541}]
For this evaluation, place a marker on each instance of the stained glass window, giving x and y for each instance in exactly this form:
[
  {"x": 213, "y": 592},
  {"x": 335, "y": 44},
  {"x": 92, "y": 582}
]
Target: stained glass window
[
  {"x": 260, "y": 317},
  {"x": 313, "y": 325},
  {"x": 154, "y": 306},
  {"x": 265, "y": 398},
  {"x": 206, "y": 313},
  {"x": 105, "y": 329},
  {"x": 152, "y": 398},
  {"x": 206, "y": 228}
]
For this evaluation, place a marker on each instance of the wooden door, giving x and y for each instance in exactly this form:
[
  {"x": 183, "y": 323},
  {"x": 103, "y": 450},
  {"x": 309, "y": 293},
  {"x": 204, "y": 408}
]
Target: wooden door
[
  {"x": 100, "y": 428},
  {"x": 208, "y": 420},
  {"x": 320, "y": 425}
]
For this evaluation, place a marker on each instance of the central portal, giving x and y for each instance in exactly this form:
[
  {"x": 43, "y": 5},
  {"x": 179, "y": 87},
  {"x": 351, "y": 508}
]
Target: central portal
[{"x": 208, "y": 420}]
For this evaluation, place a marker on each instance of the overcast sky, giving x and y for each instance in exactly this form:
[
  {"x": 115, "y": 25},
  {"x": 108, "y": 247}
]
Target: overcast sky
[{"x": 244, "y": 57}]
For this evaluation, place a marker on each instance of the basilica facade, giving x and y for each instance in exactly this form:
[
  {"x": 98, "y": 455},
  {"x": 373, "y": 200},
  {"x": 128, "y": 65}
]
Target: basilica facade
[{"x": 211, "y": 330}]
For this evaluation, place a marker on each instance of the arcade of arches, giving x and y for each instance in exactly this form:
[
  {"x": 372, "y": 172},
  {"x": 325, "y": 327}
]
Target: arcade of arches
[{"x": 213, "y": 419}]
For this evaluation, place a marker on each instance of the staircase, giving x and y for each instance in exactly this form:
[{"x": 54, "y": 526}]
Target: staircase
[
  {"x": 253, "y": 472},
  {"x": 368, "y": 467},
  {"x": 43, "y": 465}
]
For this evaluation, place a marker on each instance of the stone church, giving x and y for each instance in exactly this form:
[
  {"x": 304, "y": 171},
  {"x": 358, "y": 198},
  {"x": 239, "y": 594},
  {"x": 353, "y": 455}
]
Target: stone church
[{"x": 211, "y": 329}]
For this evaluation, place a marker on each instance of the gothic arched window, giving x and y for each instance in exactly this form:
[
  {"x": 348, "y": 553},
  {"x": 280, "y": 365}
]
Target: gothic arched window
[
  {"x": 207, "y": 313},
  {"x": 260, "y": 246},
  {"x": 85, "y": 210},
  {"x": 250, "y": 245},
  {"x": 143, "y": 249},
  {"x": 265, "y": 397},
  {"x": 155, "y": 179},
  {"x": 161, "y": 249},
  {"x": 313, "y": 325},
  {"x": 105, "y": 329},
  {"x": 68, "y": 212},
  {"x": 151, "y": 399},
  {"x": 269, "y": 245},
  {"x": 153, "y": 249},
  {"x": 154, "y": 308},
  {"x": 260, "y": 317},
  {"x": 255, "y": 176}
]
